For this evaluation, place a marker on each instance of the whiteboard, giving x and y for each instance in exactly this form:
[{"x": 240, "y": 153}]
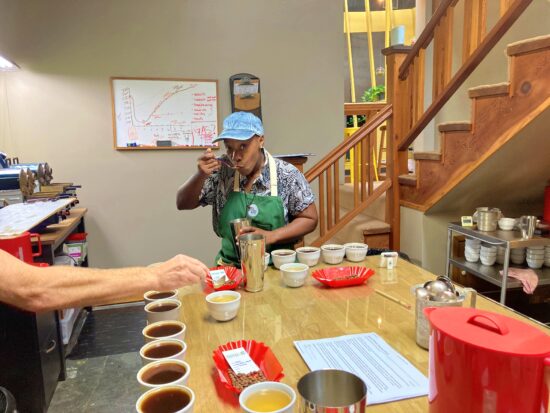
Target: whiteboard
[{"x": 164, "y": 113}]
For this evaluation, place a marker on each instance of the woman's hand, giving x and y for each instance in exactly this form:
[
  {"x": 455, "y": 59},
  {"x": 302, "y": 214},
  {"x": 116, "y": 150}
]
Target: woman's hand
[
  {"x": 270, "y": 237},
  {"x": 207, "y": 163}
]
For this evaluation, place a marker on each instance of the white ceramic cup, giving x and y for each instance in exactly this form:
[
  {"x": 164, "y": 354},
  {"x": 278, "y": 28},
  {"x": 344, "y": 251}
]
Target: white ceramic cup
[
  {"x": 294, "y": 274},
  {"x": 154, "y": 316},
  {"x": 356, "y": 251},
  {"x": 148, "y": 297},
  {"x": 333, "y": 253},
  {"x": 146, "y": 358},
  {"x": 280, "y": 257},
  {"x": 308, "y": 255},
  {"x": 223, "y": 311},
  {"x": 148, "y": 371},
  {"x": 268, "y": 385},
  {"x": 173, "y": 324},
  {"x": 159, "y": 391}
]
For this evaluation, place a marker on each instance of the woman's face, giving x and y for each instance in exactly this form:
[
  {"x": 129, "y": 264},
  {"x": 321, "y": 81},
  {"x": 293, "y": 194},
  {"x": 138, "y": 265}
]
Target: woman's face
[{"x": 244, "y": 154}]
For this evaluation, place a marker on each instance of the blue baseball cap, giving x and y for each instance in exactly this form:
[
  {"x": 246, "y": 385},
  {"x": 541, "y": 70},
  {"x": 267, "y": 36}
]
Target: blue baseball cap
[{"x": 241, "y": 126}]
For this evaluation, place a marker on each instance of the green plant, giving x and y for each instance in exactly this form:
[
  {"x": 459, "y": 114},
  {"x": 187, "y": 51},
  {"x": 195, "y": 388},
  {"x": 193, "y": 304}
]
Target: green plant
[{"x": 373, "y": 94}]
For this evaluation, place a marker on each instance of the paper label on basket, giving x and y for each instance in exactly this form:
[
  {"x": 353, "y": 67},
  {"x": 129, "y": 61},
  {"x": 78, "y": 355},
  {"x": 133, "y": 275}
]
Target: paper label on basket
[
  {"x": 239, "y": 360},
  {"x": 219, "y": 277}
]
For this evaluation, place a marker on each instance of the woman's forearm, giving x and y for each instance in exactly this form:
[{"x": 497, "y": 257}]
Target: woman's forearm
[{"x": 188, "y": 194}]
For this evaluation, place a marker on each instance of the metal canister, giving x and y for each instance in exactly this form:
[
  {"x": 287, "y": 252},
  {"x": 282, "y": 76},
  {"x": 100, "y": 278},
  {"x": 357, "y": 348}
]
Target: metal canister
[
  {"x": 252, "y": 248},
  {"x": 328, "y": 391},
  {"x": 422, "y": 323},
  {"x": 236, "y": 225},
  {"x": 487, "y": 218}
]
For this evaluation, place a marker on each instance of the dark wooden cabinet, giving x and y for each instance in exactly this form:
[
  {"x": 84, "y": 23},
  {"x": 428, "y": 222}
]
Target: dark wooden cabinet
[{"x": 31, "y": 357}]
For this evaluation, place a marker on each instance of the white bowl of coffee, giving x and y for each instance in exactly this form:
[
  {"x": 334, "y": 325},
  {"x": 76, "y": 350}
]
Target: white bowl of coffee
[
  {"x": 268, "y": 396},
  {"x": 282, "y": 256},
  {"x": 164, "y": 329},
  {"x": 151, "y": 296},
  {"x": 164, "y": 373},
  {"x": 163, "y": 310},
  {"x": 167, "y": 399},
  {"x": 223, "y": 305},
  {"x": 163, "y": 349}
]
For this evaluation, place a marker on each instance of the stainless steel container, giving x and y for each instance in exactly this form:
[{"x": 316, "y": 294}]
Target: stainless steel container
[
  {"x": 334, "y": 391},
  {"x": 236, "y": 225},
  {"x": 252, "y": 248},
  {"x": 421, "y": 322},
  {"x": 527, "y": 225},
  {"x": 487, "y": 218}
]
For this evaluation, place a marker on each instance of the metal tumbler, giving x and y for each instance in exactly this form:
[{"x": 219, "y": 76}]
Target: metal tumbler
[
  {"x": 252, "y": 248},
  {"x": 421, "y": 322},
  {"x": 332, "y": 391},
  {"x": 527, "y": 225},
  {"x": 236, "y": 225}
]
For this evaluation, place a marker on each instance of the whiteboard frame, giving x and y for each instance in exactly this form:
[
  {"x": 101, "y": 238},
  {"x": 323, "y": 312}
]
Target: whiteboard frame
[{"x": 112, "y": 81}]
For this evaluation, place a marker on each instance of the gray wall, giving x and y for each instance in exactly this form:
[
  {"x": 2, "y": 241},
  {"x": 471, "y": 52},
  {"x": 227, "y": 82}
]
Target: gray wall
[{"x": 58, "y": 107}]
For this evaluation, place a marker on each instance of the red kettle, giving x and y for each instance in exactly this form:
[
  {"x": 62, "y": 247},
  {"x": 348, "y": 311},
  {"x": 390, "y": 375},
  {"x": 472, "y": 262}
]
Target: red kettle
[
  {"x": 20, "y": 246},
  {"x": 483, "y": 362}
]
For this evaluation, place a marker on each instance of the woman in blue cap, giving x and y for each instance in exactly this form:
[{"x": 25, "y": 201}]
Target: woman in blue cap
[{"x": 248, "y": 182}]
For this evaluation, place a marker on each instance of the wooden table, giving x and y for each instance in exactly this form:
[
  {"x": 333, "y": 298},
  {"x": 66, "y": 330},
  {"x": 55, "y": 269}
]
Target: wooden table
[{"x": 279, "y": 315}]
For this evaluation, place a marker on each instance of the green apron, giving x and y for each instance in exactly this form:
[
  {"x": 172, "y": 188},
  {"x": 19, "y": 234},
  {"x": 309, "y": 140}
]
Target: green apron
[{"x": 265, "y": 212}]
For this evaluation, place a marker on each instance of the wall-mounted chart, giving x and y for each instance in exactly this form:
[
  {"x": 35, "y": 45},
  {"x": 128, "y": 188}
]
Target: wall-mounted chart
[{"x": 151, "y": 113}]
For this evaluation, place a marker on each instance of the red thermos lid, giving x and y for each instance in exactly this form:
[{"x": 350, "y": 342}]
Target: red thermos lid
[{"x": 490, "y": 331}]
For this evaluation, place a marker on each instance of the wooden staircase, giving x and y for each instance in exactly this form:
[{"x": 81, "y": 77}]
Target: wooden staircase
[{"x": 499, "y": 112}]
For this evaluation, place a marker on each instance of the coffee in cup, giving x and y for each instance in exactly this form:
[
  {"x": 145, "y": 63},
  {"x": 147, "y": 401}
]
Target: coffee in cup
[
  {"x": 164, "y": 373},
  {"x": 151, "y": 296},
  {"x": 164, "y": 329},
  {"x": 167, "y": 399},
  {"x": 163, "y": 349},
  {"x": 163, "y": 310}
]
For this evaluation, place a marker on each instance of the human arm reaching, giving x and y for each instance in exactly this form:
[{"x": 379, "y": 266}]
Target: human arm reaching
[{"x": 41, "y": 289}]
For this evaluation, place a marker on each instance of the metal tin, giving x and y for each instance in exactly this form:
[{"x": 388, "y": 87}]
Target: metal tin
[
  {"x": 332, "y": 391},
  {"x": 236, "y": 225},
  {"x": 252, "y": 248},
  {"x": 421, "y": 322}
]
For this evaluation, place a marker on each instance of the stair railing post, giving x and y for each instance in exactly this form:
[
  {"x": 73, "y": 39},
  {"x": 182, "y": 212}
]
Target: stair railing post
[{"x": 397, "y": 127}]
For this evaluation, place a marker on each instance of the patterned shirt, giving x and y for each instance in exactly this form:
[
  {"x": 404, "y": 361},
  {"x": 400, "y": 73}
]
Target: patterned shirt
[{"x": 292, "y": 188}]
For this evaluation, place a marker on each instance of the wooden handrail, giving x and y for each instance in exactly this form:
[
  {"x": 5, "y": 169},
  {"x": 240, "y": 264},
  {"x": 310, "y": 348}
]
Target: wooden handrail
[
  {"x": 467, "y": 68},
  {"x": 346, "y": 145},
  {"x": 425, "y": 37},
  {"x": 362, "y": 108}
]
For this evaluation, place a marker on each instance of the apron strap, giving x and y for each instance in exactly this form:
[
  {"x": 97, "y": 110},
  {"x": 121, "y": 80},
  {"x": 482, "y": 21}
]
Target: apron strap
[{"x": 272, "y": 176}]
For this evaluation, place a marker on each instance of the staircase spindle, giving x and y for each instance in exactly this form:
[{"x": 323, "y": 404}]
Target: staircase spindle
[
  {"x": 336, "y": 167},
  {"x": 356, "y": 156},
  {"x": 442, "y": 53},
  {"x": 322, "y": 218},
  {"x": 370, "y": 148},
  {"x": 330, "y": 198},
  {"x": 475, "y": 24},
  {"x": 364, "y": 165}
]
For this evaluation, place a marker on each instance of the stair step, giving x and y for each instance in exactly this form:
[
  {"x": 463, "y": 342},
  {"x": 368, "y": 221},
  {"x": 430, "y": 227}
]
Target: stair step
[
  {"x": 427, "y": 156},
  {"x": 489, "y": 90},
  {"x": 355, "y": 230},
  {"x": 528, "y": 45},
  {"x": 378, "y": 228},
  {"x": 409, "y": 180},
  {"x": 461, "y": 126}
]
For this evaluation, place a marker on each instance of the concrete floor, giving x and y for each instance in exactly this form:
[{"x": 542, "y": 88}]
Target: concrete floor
[{"x": 99, "y": 385}]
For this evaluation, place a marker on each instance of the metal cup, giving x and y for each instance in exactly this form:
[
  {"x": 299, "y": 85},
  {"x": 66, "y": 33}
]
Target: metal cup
[
  {"x": 421, "y": 322},
  {"x": 236, "y": 225},
  {"x": 332, "y": 391},
  {"x": 252, "y": 248},
  {"x": 527, "y": 224}
]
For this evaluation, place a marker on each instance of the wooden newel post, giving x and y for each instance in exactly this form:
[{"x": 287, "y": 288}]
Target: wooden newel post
[{"x": 397, "y": 94}]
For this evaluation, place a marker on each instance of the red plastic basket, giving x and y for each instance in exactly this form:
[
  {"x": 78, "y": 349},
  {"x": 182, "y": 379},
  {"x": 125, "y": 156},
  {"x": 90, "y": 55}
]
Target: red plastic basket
[
  {"x": 340, "y": 276},
  {"x": 259, "y": 352},
  {"x": 234, "y": 275}
]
